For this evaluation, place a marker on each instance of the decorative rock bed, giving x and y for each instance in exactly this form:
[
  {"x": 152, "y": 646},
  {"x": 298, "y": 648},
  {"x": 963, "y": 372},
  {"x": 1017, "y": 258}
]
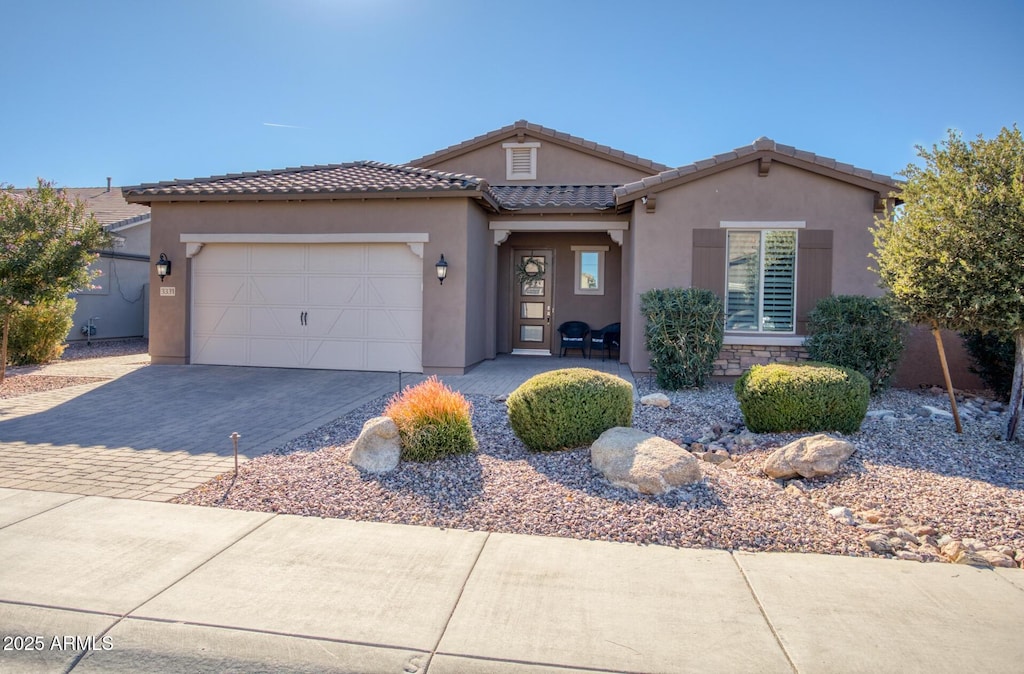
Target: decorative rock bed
[{"x": 913, "y": 489}]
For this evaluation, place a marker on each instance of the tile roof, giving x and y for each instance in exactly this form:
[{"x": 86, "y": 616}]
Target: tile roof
[
  {"x": 515, "y": 197},
  {"x": 631, "y": 191},
  {"x": 360, "y": 177},
  {"x": 545, "y": 132},
  {"x": 109, "y": 207}
]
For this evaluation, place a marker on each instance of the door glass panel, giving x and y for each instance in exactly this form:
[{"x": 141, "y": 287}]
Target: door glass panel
[
  {"x": 533, "y": 288},
  {"x": 531, "y": 310},
  {"x": 531, "y": 333}
]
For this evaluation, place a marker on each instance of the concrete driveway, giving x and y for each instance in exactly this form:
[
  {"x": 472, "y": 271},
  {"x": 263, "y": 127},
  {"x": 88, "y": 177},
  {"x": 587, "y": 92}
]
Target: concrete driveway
[{"x": 153, "y": 433}]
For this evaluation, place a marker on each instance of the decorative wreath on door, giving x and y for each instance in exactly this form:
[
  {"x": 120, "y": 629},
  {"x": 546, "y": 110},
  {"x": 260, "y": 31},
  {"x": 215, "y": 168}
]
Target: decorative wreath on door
[{"x": 530, "y": 269}]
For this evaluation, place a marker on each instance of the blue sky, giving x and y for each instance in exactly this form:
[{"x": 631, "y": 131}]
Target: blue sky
[{"x": 149, "y": 91}]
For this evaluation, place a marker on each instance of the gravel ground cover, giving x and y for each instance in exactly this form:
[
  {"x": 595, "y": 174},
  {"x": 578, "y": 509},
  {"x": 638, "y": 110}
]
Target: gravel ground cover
[
  {"x": 80, "y": 350},
  {"x": 24, "y": 380},
  {"x": 909, "y": 472},
  {"x": 18, "y": 385}
]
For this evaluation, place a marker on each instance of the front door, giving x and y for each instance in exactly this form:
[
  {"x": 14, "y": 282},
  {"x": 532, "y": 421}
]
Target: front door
[{"x": 532, "y": 290}]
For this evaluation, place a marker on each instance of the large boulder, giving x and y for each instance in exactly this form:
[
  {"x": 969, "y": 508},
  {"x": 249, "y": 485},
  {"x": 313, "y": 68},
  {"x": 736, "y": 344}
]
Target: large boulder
[
  {"x": 644, "y": 463},
  {"x": 812, "y": 456},
  {"x": 378, "y": 447}
]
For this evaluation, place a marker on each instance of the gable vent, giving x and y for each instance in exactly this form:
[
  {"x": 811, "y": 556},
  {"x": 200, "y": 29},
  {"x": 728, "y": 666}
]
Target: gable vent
[{"x": 521, "y": 160}]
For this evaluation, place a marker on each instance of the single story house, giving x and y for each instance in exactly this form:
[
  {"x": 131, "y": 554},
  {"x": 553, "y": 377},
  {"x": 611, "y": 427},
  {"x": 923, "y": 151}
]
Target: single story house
[{"x": 336, "y": 266}]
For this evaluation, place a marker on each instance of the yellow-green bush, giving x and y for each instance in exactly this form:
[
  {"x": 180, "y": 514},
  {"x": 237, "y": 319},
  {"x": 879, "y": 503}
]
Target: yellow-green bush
[
  {"x": 810, "y": 396},
  {"x": 433, "y": 421},
  {"x": 569, "y": 408},
  {"x": 38, "y": 331}
]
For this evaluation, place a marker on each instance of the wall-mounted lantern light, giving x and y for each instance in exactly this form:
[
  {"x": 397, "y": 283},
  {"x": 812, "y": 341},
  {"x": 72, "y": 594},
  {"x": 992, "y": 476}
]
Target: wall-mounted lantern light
[
  {"x": 163, "y": 267},
  {"x": 442, "y": 269}
]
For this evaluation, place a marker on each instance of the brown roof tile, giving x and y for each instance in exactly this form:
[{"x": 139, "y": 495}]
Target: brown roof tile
[
  {"x": 354, "y": 177},
  {"x": 514, "y": 197}
]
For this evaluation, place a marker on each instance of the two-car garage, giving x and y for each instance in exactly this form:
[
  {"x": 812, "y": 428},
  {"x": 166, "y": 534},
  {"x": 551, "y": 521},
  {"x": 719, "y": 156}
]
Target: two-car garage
[{"x": 345, "y": 306}]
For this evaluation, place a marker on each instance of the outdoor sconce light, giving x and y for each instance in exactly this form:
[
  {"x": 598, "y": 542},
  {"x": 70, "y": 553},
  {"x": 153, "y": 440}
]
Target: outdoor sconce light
[
  {"x": 163, "y": 267},
  {"x": 442, "y": 269}
]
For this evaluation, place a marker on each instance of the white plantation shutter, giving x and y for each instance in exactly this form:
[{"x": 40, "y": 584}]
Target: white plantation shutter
[
  {"x": 743, "y": 282},
  {"x": 779, "y": 281},
  {"x": 761, "y": 281}
]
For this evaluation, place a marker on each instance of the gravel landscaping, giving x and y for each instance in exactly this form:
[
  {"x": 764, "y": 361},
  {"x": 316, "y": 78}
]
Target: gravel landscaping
[
  {"x": 25, "y": 380},
  {"x": 914, "y": 489}
]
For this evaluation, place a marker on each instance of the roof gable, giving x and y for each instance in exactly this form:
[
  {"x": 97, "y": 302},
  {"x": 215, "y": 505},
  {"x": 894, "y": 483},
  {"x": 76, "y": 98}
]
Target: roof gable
[
  {"x": 765, "y": 151},
  {"x": 520, "y": 128}
]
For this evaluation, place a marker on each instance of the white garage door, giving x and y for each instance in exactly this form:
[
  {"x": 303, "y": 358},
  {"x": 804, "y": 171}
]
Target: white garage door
[{"x": 322, "y": 306}]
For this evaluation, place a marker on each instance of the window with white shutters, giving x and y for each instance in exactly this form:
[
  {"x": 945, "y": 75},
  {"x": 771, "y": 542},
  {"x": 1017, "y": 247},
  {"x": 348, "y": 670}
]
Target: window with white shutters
[
  {"x": 761, "y": 281},
  {"x": 521, "y": 161}
]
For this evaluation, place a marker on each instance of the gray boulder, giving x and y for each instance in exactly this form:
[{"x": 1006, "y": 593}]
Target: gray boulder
[
  {"x": 656, "y": 400},
  {"x": 812, "y": 456},
  {"x": 378, "y": 447},
  {"x": 644, "y": 463}
]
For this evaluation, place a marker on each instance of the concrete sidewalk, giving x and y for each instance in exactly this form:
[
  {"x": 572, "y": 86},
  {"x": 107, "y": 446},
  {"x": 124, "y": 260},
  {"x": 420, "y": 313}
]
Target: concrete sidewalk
[{"x": 96, "y": 584}]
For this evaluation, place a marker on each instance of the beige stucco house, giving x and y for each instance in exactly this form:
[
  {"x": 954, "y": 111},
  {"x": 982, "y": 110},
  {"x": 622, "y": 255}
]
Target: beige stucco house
[{"x": 334, "y": 266}]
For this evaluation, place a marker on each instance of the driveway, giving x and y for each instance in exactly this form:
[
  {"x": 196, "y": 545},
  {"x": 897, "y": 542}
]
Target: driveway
[{"x": 155, "y": 432}]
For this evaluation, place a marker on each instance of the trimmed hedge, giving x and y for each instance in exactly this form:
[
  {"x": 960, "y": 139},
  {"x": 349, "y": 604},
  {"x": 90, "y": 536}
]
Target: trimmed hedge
[
  {"x": 568, "y": 408},
  {"x": 38, "y": 331},
  {"x": 683, "y": 334},
  {"x": 433, "y": 421},
  {"x": 858, "y": 332},
  {"x": 783, "y": 397}
]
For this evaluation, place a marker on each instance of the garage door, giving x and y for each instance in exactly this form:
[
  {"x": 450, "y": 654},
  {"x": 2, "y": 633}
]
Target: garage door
[{"x": 323, "y": 306}]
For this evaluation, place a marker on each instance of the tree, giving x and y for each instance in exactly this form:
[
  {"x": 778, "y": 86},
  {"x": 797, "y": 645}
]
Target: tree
[
  {"x": 45, "y": 244},
  {"x": 953, "y": 254}
]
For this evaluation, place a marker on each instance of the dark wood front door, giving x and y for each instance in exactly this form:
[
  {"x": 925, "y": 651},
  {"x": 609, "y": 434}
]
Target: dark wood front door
[{"x": 532, "y": 290}]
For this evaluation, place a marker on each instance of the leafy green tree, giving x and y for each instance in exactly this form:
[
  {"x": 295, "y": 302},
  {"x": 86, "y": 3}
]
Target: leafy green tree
[
  {"x": 45, "y": 244},
  {"x": 953, "y": 255}
]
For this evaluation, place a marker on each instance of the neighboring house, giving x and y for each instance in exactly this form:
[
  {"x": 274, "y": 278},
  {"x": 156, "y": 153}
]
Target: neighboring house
[
  {"x": 117, "y": 305},
  {"x": 334, "y": 266}
]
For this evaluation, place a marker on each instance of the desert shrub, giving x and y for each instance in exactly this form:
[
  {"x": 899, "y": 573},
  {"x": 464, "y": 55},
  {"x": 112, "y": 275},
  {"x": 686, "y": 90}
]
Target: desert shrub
[
  {"x": 992, "y": 358},
  {"x": 37, "y": 332},
  {"x": 810, "y": 396},
  {"x": 858, "y": 332},
  {"x": 433, "y": 421},
  {"x": 683, "y": 334},
  {"x": 569, "y": 408}
]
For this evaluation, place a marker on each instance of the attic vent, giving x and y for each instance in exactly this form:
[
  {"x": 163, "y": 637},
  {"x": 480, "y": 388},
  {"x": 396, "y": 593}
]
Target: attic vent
[{"x": 521, "y": 161}]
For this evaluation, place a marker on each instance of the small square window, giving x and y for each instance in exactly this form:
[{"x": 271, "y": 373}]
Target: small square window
[{"x": 589, "y": 278}]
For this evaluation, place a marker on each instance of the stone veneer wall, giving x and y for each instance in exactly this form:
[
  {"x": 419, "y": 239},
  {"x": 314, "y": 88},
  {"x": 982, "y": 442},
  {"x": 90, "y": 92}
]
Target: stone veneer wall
[{"x": 734, "y": 359}]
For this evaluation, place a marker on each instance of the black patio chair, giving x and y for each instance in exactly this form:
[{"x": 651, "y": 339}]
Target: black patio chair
[
  {"x": 606, "y": 339},
  {"x": 574, "y": 336}
]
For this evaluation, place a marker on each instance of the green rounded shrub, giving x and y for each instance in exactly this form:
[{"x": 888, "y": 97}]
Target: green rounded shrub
[
  {"x": 810, "y": 396},
  {"x": 992, "y": 358},
  {"x": 858, "y": 332},
  {"x": 683, "y": 334},
  {"x": 433, "y": 421},
  {"x": 38, "y": 331},
  {"x": 569, "y": 408}
]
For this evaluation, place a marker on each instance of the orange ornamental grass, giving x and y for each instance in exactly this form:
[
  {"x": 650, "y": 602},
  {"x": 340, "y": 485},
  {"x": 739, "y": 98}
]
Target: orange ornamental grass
[{"x": 433, "y": 421}]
